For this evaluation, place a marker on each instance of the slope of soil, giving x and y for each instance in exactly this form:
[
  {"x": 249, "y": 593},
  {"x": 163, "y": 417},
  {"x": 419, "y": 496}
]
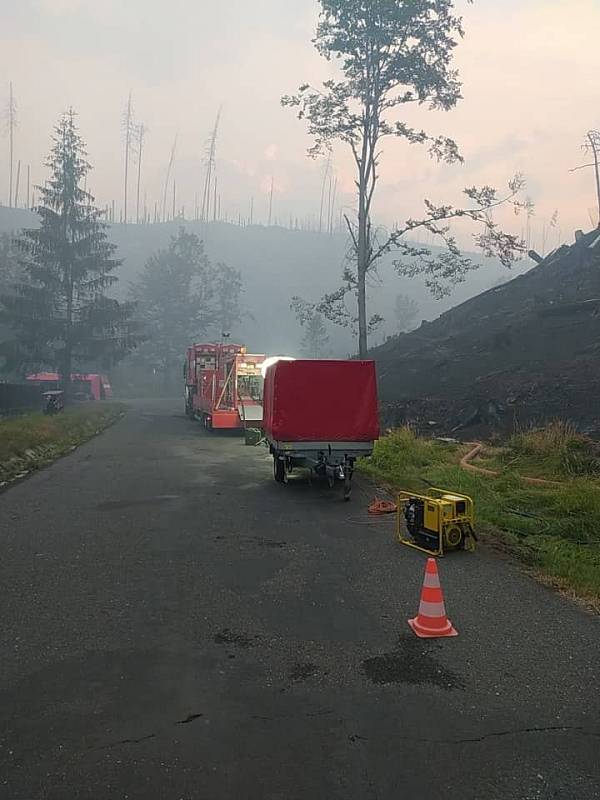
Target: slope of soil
[{"x": 525, "y": 351}]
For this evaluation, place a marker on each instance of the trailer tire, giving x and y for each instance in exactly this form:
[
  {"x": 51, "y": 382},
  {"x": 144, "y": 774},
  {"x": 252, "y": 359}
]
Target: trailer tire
[
  {"x": 278, "y": 469},
  {"x": 349, "y": 472}
]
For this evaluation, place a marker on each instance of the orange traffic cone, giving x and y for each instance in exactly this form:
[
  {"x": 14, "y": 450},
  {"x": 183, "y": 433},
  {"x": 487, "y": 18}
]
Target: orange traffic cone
[{"x": 431, "y": 622}]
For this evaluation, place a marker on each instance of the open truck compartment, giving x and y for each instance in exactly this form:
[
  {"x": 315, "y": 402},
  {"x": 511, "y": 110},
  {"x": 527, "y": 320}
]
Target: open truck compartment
[
  {"x": 321, "y": 415},
  {"x": 223, "y": 386}
]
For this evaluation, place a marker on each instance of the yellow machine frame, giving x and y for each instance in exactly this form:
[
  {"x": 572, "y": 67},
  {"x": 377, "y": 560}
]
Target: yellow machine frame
[{"x": 440, "y": 518}]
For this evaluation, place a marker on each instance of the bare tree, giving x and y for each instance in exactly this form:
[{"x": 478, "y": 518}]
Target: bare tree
[
  {"x": 17, "y": 183},
  {"x": 271, "y": 200},
  {"x": 10, "y": 125},
  {"x": 591, "y": 146},
  {"x": 141, "y": 130},
  {"x": 326, "y": 175},
  {"x": 129, "y": 129},
  {"x": 168, "y": 178},
  {"x": 393, "y": 53},
  {"x": 210, "y": 161}
]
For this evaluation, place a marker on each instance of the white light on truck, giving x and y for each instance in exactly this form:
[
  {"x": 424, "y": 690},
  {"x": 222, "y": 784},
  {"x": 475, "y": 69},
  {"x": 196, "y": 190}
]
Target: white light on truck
[{"x": 268, "y": 362}]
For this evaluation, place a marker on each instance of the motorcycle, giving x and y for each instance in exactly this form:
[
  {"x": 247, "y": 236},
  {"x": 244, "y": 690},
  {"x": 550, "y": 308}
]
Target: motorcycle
[{"x": 54, "y": 402}]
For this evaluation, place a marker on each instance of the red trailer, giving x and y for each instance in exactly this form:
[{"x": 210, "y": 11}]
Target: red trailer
[
  {"x": 322, "y": 415},
  {"x": 224, "y": 386}
]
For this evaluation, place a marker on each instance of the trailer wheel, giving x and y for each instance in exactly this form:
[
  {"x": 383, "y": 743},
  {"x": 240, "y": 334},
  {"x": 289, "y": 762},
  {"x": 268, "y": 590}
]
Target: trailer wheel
[
  {"x": 349, "y": 471},
  {"x": 278, "y": 469}
]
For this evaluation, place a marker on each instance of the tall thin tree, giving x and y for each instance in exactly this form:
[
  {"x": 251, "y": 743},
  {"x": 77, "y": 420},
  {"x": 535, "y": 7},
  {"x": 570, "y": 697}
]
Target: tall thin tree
[
  {"x": 141, "y": 130},
  {"x": 129, "y": 130},
  {"x": 592, "y": 145},
  {"x": 17, "y": 183},
  {"x": 168, "y": 178},
  {"x": 10, "y": 125},
  {"x": 211, "y": 167},
  {"x": 326, "y": 175},
  {"x": 392, "y": 53},
  {"x": 271, "y": 200}
]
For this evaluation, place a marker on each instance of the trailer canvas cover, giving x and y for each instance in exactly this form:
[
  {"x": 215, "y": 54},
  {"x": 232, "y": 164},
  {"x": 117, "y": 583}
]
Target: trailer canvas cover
[{"x": 321, "y": 401}]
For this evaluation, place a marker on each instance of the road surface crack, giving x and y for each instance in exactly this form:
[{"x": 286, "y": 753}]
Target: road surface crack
[
  {"x": 187, "y": 720},
  {"x": 139, "y": 740},
  {"x": 514, "y": 732},
  {"x": 126, "y": 741}
]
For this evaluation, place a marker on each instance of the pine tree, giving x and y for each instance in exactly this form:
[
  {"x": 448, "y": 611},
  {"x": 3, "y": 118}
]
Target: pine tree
[
  {"x": 60, "y": 312},
  {"x": 315, "y": 342},
  {"x": 227, "y": 282}
]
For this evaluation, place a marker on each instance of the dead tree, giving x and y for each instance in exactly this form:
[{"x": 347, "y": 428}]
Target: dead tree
[
  {"x": 326, "y": 174},
  {"x": 592, "y": 146},
  {"x": 332, "y": 206},
  {"x": 168, "y": 178},
  {"x": 271, "y": 200},
  {"x": 210, "y": 161},
  {"x": 129, "y": 130},
  {"x": 141, "y": 132},
  {"x": 17, "y": 184},
  {"x": 10, "y": 124}
]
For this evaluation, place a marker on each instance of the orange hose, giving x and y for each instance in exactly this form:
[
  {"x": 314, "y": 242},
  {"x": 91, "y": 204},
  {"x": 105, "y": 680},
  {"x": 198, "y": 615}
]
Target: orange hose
[
  {"x": 382, "y": 507},
  {"x": 465, "y": 463}
]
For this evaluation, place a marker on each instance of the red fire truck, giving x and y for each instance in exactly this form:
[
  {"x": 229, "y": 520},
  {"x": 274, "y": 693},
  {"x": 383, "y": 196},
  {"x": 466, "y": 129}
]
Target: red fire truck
[
  {"x": 224, "y": 386},
  {"x": 89, "y": 386}
]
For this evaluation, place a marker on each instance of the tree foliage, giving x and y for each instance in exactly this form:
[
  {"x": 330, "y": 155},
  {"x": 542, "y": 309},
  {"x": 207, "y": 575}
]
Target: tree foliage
[
  {"x": 406, "y": 313},
  {"x": 9, "y": 264},
  {"x": 392, "y": 54},
  {"x": 181, "y": 297},
  {"x": 60, "y": 309},
  {"x": 315, "y": 339}
]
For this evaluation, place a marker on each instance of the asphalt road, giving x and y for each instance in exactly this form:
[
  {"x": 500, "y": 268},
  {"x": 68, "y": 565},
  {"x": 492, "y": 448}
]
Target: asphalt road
[{"x": 175, "y": 625}]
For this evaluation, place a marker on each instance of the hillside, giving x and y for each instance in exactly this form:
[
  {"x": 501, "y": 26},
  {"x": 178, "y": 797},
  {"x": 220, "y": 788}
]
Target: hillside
[
  {"x": 277, "y": 263},
  {"x": 525, "y": 351}
]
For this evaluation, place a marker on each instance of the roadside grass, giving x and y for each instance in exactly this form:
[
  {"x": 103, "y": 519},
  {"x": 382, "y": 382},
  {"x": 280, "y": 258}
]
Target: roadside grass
[
  {"x": 555, "y": 452},
  {"x": 555, "y": 528},
  {"x": 31, "y": 441}
]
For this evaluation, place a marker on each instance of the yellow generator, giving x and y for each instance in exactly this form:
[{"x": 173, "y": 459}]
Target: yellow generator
[{"x": 443, "y": 521}]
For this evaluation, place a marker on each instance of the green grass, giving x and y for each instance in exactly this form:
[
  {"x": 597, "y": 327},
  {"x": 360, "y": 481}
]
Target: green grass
[
  {"x": 556, "y": 452},
  {"x": 32, "y": 440},
  {"x": 555, "y": 528}
]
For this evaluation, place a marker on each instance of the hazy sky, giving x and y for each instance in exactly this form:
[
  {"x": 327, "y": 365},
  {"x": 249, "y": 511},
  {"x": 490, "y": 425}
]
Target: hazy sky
[{"x": 528, "y": 67}]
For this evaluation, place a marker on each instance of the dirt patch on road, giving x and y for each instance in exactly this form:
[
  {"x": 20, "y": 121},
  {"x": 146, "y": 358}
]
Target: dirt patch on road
[
  {"x": 410, "y": 662},
  {"x": 227, "y": 636}
]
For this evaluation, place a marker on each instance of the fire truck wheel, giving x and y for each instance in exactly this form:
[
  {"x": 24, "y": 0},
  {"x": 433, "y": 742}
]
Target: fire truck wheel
[
  {"x": 208, "y": 423},
  {"x": 278, "y": 469}
]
